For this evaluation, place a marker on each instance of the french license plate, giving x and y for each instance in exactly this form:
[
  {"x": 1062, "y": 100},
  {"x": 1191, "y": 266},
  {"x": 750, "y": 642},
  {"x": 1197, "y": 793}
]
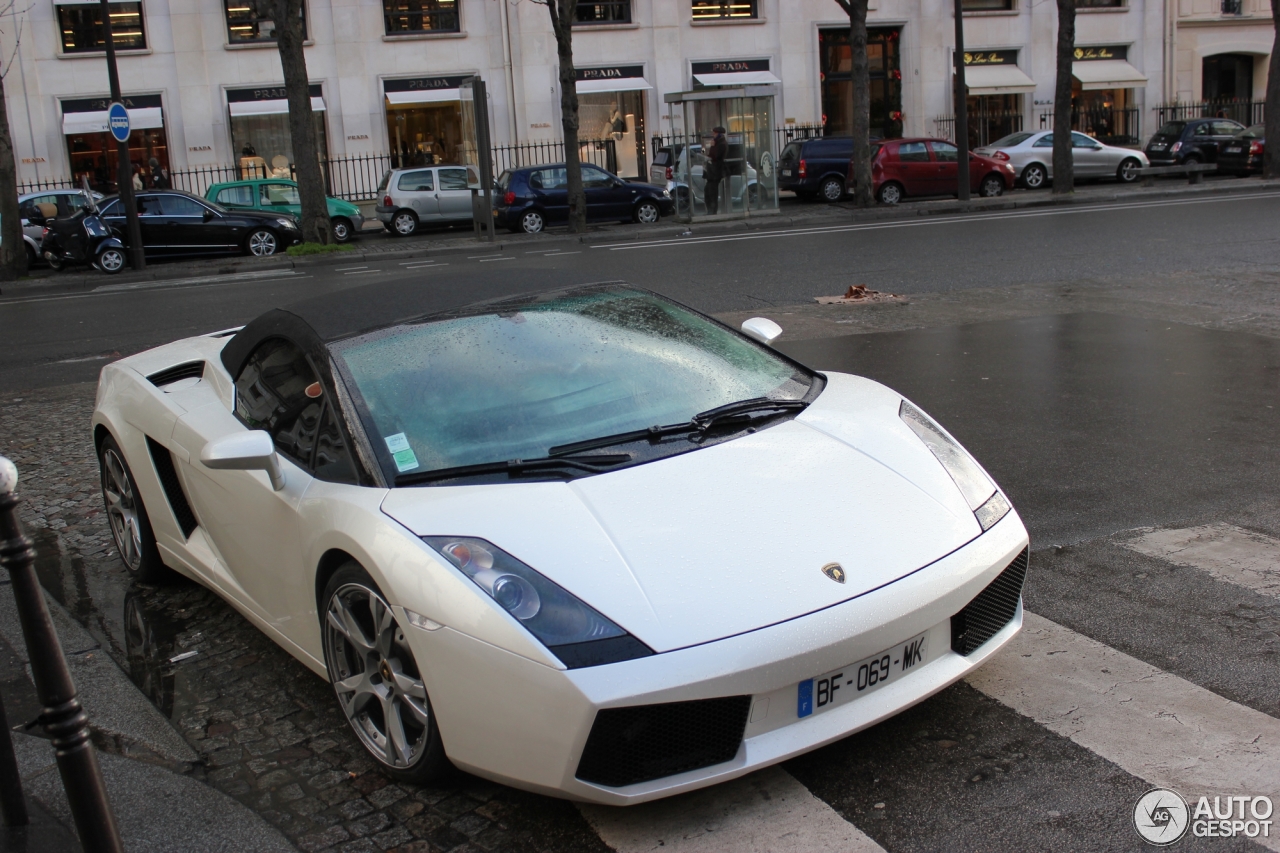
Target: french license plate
[
  {"x": 815, "y": 695},
  {"x": 1233, "y": 149},
  {"x": 786, "y": 173}
]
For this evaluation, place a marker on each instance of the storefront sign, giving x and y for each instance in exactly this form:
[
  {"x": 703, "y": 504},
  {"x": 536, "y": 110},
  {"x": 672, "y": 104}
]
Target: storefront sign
[
  {"x": 101, "y": 105},
  {"x": 616, "y": 72},
  {"x": 424, "y": 84},
  {"x": 991, "y": 57},
  {"x": 730, "y": 66},
  {"x": 265, "y": 93},
  {"x": 200, "y": 148},
  {"x": 33, "y": 160},
  {"x": 1086, "y": 54}
]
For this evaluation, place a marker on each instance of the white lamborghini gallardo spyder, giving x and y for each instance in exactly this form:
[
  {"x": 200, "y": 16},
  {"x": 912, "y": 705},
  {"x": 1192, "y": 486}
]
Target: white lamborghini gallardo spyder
[{"x": 586, "y": 542}]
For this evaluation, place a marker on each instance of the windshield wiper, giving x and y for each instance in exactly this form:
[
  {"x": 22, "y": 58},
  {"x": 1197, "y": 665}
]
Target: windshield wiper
[
  {"x": 699, "y": 423},
  {"x": 593, "y": 464}
]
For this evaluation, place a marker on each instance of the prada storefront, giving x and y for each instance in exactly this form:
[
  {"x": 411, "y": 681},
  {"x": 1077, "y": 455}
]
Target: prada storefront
[
  {"x": 424, "y": 119},
  {"x": 260, "y": 138},
  {"x": 611, "y": 115},
  {"x": 91, "y": 148}
]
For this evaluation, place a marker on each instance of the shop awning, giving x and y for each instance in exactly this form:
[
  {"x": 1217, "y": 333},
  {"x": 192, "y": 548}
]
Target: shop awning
[
  {"x": 736, "y": 78},
  {"x": 140, "y": 118},
  {"x": 422, "y": 96},
  {"x": 997, "y": 80},
  {"x": 269, "y": 108},
  {"x": 1107, "y": 74},
  {"x": 615, "y": 84}
]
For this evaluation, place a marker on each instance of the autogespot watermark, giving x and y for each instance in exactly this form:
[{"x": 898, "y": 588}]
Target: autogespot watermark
[{"x": 1162, "y": 817}]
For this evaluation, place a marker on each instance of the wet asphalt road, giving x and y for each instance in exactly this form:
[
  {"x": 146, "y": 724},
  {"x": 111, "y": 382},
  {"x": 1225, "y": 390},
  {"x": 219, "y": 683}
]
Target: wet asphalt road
[{"x": 1094, "y": 423}]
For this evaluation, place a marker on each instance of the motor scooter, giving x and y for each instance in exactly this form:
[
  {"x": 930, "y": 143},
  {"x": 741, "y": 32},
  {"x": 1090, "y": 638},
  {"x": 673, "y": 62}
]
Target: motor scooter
[{"x": 82, "y": 238}]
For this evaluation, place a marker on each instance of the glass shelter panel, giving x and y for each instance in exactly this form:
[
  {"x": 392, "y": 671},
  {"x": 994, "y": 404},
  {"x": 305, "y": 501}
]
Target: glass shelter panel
[{"x": 746, "y": 179}]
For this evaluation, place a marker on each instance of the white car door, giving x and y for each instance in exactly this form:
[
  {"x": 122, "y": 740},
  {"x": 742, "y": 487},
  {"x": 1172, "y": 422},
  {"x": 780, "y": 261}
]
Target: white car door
[
  {"x": 454, "y": 193},
  {"x": 416, "y": 190},
  {"x": 1088, "y": 156}
]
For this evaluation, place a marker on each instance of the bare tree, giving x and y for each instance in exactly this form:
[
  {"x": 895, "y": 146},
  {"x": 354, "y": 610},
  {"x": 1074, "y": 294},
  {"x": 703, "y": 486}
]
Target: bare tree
[
  {"x": 860, "y": 80},
  {"x": 1064, "y": 176},
  {"x": 563, "y": 14},
  {"x": 13, "y": 251},
  {"x": 1271, "y": 154},
  {"x": 291, "y": 32}
]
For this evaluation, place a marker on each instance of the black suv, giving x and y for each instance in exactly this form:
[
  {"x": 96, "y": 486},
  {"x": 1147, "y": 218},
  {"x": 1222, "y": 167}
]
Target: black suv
[
  {"x": 816, "y": 167},
  {"x": 1190, "y": 141}
]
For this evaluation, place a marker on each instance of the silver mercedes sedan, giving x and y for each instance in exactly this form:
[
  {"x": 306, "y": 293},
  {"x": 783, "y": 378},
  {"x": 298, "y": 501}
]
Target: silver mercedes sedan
[{"x": 1031, "y": 156}]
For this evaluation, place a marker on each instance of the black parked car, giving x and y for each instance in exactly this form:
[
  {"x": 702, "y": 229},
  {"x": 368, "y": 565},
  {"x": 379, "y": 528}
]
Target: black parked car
[
  {"x": 816, "y": 167},
  {"x": 1191, "y": 141},
  {"x": 1242, "y": 155},
  {"x": 178, "y": 223},
  {"x": 532, "y": 198}
]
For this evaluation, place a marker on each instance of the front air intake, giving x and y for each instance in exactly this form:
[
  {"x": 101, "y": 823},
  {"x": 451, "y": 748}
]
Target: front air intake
[
  {"x": 991, "y": 610},
  {"x": 647, "y": 742}
]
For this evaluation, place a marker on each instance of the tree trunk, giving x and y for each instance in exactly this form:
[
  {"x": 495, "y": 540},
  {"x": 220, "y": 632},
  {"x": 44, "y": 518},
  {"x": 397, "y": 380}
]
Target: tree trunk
[
  {"x": 860, "y": 81},
  {"x": 1064, "y": 176},
  {"x": 13, "y": 251},
  {"x": 1271, "y": 154},
  {"x": 290, "y": 34},
  {"x": 563, "y": 13}
]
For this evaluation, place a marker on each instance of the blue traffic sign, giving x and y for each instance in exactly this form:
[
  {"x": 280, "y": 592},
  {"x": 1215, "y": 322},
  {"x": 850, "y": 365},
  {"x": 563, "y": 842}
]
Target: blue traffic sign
[{"x": 118, "y": 121}]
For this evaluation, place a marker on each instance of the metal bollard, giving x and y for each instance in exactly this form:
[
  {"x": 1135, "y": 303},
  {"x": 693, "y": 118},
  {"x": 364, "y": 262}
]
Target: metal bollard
[{"x": 64, "y": 720}]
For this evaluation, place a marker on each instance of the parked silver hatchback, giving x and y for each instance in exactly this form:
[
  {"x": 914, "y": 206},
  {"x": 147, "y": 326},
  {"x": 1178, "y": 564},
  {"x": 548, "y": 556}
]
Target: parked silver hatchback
[{"x": 425, "y": 195}]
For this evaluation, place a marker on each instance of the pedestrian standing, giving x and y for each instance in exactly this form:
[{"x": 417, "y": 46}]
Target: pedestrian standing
[
  {"x": 137, "y": 178},
  {"x": 713, "y": 172},
  {"x": 159, "y": 177}
]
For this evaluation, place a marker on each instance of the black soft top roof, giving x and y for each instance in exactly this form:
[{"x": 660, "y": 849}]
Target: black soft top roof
[{"x": 315, "y": 322}]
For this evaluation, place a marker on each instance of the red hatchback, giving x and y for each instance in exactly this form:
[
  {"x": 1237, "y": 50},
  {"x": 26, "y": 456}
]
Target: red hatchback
[{"x": 903, "y": 167}]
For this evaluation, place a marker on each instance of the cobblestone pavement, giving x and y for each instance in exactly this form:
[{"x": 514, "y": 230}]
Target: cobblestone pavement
[{"x": 267, "y": 730}]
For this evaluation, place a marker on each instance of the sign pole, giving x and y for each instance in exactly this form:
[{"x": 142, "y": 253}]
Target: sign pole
[
  {"x": 124, "y": 169},
  {"x": 962, "y": 108}
]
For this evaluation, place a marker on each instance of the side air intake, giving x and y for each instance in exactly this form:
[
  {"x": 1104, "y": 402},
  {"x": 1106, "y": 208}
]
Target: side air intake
[
  {"x": 170, "y": 375},
  {"x": 162, "y": 458}
]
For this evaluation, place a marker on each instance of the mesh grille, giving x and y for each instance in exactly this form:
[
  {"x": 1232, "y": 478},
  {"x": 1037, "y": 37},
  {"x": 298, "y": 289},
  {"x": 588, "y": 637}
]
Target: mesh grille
[
  {"x": 189, "y": 370},
  {"x": 991, "y": 609},
  {"x": 630, "y": 745},
  {"x": 163, "y": 461}
]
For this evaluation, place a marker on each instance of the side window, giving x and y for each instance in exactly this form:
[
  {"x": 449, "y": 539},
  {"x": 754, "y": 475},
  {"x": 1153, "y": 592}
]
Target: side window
[
  {"x": 549, "y": 179},
  {"x": 453, "y": 179},
  {"x": 148, "y": 205},
  {"x": 1045, "y": 141},
  {"x": 281, "y": 194},
  {"x": 278, "y": 391},
  {"x": 1079, "y": 140},
  {"x": 177, "y": 205},
  {"x": 241, "y": 196},
  {"x": 913, "y": 152},
  {"x": 945, "y": 152},
  {"x": 1226, "y": 128},
  {"x": 417, "y": 182},
  {"x": 1203, "y": 129},
  {"x": 111, "y": 208},
  {"x": 593, "y": 178},
  {"x": 333, "y": 462}
]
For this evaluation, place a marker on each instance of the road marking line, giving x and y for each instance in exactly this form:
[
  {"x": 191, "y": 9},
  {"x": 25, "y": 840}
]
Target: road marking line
[
  {"x": 424, "y": 266},
  {"x": 344, "y": 269},
  {"x": 360, "y": 272},
  {"x": 486, "y": 260},
  {"x": 557, "y": 254},
  {"x": 78, "y": 360},
  {"x": 204, "y": 279},
  {"x": 1150, "y": 723},
  {"x": 765, "y": 812},
  {"x": 480, "y": 257},
  {"x": 415, "y": 261},
  {"x": 221, "y": 282},
  {"x": 1228, "y": 553}
]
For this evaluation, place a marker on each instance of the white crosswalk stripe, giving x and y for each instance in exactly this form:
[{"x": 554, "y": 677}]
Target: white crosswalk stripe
[
  {"x": 1152, "y": 724},
  {"x": 766, "y": 812},
  {"x": 1226, "y": 552}
]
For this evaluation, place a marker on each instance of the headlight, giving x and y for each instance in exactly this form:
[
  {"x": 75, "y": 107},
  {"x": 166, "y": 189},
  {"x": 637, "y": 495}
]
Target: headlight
[
  {"x": 666, "y": 193},
  {"x": 287, "y": 223},
  {"x": 988, "y": 505},
  {"x": 573, "y": 631}
]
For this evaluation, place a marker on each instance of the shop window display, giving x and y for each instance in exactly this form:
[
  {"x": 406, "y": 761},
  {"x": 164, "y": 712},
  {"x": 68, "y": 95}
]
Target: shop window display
[
  {"x": 94, "y": 156},
  {"x": 425, "y": 134},
  {"x": 884, "y": 64},
  {"x": 80, "y": 27},
  {"x": 264, "y": 147},
  {"x": 617, "y": 118}
]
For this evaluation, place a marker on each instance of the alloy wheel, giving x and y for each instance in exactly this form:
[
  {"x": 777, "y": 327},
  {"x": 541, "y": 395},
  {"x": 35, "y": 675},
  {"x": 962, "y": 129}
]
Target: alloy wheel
[
  {"x": 375, "y": 676},
  {"x": 262, "y": 243},
  {"x": 531, "y": 222},
  {"x": 991, "y": 187},
  {"x": 1034, "y": 176},
  {"x": 405, "y": 223},
  {"x": 1129, "y": 170},
  {"x": 647, "y": 213},
  {"x": 832, "y": 191},
  {"x": 122, "y": 509},
  {"x": 890, "y": 194},
  {"x": 111, "y": 261}
]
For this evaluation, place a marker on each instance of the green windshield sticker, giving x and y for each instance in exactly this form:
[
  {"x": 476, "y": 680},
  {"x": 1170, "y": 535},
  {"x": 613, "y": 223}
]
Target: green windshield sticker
[{"x": 401, "y": 452}]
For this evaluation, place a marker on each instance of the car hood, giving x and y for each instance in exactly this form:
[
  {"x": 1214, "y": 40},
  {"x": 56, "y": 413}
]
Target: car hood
[{"x": 733, "y": 537}]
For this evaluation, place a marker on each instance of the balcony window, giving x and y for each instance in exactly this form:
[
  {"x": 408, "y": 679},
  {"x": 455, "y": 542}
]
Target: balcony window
[
  {"x": 604, "y": 12},
  {"x": 250, "y": 21},
  {"x": 81, "y": 27},
  {"x": 413, "y": 17},
  {"x": 988, "y": 5},
  {"x": 1104, "y": 4},
  {"x": 1233, "y": 7},
  {"x": 720, "y": 10}
]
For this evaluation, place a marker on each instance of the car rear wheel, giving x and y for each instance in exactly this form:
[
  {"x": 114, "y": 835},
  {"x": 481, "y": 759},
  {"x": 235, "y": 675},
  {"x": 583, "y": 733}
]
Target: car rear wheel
[
  {"x": 404, "y": 224},
  {"x": 127, "y": 517},
  {"x": 262, "y": 243},
  {"x": 991, "y": 186},
  {"x": 1034, "y": 176},
  {"x": 890, "y": 193},
  {"x": 111, "y": 260},
  {"x": 532, "y": 222},
  {"x": 32, "y": 256},
  {"x": 377, "y": 680},
  {"x": 342, "y": 229},
  {"x": 1192, "y": 160},
  {"x": 647, "y": 213},
  {"x": 832, "y": 190}
]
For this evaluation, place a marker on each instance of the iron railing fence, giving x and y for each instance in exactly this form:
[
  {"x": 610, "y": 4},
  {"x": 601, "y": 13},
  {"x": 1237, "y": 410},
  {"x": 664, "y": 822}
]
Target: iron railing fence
[
  {"x": 985, "y": 126},
  {"x": 47, "y": 184},
  {"x": 1244, "y": 111},
  {"x": 1110, "y": 126},
  {"x": 600, "y": 152}
]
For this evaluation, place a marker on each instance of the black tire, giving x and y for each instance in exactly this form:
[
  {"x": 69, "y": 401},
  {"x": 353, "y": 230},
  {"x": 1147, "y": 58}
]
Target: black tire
[
  {"x": 352, "y": 592},
  {"x": 1192, "y": 160},
  {"x": 261, "y": 243},
  {"x": 1035, "y": 177},
  {"x": 404, "y": 223},
  {"x": 55, "y": 263},
  {"x": 127, "y": 517},
  {"x": 991, "y": 187},
  {"x": 831, "y": 190},
  {"x": 890, "y": 193},
  {"x": 646, "y": 213},
  {"x": 1128, "y": 171},
  {"x": 343, "y": 230},
  {"x": 111, "y": 260},
  {"x": 32, "y": 255}
]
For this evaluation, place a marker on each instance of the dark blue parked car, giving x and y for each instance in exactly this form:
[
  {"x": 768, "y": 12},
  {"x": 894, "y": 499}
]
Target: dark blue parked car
[
  {"x": 1190, "y": 141},
  {"x": 532, "y": 198},
  {"x": 816, "y": 167}
]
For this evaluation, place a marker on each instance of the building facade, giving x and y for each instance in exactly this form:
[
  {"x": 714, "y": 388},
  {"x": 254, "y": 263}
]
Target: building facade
[{"x": 203, "y": 82}]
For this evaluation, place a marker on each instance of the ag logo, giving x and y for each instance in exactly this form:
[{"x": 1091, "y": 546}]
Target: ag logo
[
  {"x": 833, "y": 571},
  {"x": 1161, "y": 816}
]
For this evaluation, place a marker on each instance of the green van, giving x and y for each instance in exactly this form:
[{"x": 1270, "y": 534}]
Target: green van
[{"x": 276, "y": 195}]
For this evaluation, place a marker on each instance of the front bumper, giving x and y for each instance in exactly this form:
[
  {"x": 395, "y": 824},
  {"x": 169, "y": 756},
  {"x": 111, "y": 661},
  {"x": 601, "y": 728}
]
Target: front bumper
[{"x": 525, "y": 724}]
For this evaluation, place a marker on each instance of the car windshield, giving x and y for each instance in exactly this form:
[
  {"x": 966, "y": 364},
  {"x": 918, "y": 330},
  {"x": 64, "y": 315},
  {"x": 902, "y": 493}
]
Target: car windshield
[
  {"x": 516, "y": 379},
  {"x": 1171, "y": 128},
  {"x": 1010, "y": 140}
]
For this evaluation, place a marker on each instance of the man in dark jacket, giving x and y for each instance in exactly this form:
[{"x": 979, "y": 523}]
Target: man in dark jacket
[{"x": 713, "y": 172}]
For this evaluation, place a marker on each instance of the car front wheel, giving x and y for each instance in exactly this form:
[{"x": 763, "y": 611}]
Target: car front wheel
[
  {"x": 262, "y": 243},
  {"x": 342, "y": 229},
  {"x": 1034, "y": 176},
  {"x": 127, "y": 517},
  {"x": 832, "y": 190},
  {"x": 377, "y": 681},
  {"x": 890, "y": 193},
  {"x": 404, "y": 224},
  {"x": 532, "y": 222},
  {"x": 1129, "y": 171},
  {"x": 991, "y": 186},
  {"x": 647, "y": 213}
]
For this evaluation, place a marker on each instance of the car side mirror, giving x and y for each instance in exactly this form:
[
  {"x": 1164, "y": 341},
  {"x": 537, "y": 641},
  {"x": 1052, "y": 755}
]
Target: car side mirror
[
  {"x": 762, "y": 329},
  {"x": 246, "y": 451},
  {"x": 208, "y": 215}
]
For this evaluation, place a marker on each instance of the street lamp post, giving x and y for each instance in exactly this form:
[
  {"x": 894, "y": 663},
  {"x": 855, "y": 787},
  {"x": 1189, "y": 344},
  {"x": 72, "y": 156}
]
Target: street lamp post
[
  {"x": 962, "y": 108},
  {"x": 124, "y": 170}
]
